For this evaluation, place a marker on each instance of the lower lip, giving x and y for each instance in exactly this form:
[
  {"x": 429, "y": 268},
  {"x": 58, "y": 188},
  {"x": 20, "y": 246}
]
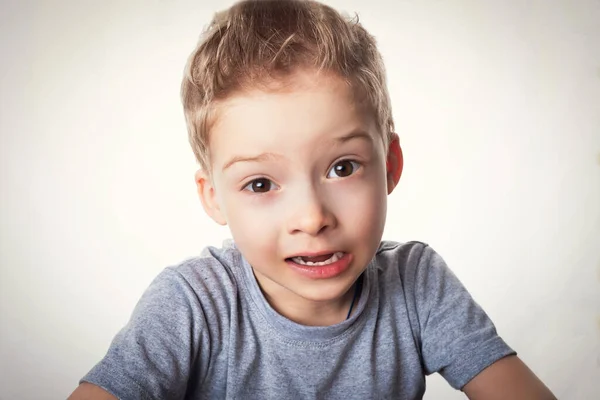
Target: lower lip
[{"x": 322, "y": 271}]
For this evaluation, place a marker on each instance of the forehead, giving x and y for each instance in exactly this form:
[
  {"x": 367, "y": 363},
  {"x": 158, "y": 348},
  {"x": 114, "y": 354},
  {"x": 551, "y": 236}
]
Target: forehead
[{"x": 307, "y": 110}]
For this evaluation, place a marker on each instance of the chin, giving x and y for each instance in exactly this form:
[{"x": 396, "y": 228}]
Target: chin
[{"x": 325, "y": 292}]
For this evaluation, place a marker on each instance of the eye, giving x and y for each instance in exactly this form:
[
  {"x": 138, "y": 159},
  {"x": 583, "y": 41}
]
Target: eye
[
  {"x": 260, "y": 185},
  {"x": 343, "y": 168}
]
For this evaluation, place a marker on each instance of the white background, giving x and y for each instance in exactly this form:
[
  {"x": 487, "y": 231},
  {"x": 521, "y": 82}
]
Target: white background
[{"x": 497, "y": 105}]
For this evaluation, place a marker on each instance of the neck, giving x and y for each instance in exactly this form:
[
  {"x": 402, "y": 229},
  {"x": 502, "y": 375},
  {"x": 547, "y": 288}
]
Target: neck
[{"x": 306, "y": 311}]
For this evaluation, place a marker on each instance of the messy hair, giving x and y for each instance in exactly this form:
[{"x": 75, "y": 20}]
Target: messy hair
[{"x": 257, "y": 43}]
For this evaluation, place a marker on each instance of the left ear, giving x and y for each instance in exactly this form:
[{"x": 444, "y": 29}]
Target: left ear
[{"x": 394, "y": 163}]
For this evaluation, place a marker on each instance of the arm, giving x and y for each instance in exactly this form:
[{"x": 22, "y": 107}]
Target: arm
[
  {"x": 459, "y": 340},
  {"x": 507, "y": 378},
  {"x": 153, "y": 355},
  {"x": 87, "y": 391}
]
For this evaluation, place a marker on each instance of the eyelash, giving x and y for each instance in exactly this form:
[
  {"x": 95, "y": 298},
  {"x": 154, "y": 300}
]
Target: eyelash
[
  {"x": 249, "y": 184},
  {"x": 355, "y": 167}
]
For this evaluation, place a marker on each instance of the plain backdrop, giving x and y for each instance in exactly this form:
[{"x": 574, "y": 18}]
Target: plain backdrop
[{"x": 497, "y": 104}]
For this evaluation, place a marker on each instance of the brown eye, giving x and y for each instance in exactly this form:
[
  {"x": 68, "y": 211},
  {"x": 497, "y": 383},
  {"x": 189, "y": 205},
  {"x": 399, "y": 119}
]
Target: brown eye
[
  {"x": 343, "y": 168},
  {"x": 260, "y": 185}
]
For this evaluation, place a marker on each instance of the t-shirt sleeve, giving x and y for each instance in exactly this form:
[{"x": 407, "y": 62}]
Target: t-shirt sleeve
[
  {"x": 152, "y": 356},
  {"x": 458, "y": 339}
]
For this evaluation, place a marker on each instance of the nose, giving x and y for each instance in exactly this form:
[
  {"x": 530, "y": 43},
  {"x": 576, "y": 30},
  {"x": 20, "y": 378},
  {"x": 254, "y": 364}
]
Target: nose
[{"x": 310, "y": 215}]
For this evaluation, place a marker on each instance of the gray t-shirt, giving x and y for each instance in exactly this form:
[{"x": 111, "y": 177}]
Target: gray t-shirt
[{"x": 203, "y": 330}]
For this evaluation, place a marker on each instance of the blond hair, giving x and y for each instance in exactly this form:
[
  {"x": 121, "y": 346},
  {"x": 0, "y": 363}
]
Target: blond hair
[{"x": 256, "y": 43}]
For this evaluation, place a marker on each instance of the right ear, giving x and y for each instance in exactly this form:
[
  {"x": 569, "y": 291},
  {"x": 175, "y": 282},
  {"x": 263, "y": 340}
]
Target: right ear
[{"x": 207, "y": 194}]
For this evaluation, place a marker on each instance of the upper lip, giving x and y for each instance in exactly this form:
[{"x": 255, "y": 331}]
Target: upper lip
[{"x": 316, "y": 253}]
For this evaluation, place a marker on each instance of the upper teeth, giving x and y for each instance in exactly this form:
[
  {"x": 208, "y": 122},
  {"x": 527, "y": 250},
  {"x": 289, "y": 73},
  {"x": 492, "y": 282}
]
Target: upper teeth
[{"x": 335, "y": 257}]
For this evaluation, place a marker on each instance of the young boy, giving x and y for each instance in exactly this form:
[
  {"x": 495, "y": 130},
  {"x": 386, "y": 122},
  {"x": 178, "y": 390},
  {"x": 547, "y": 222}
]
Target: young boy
[{"x": 290, "y": 120}]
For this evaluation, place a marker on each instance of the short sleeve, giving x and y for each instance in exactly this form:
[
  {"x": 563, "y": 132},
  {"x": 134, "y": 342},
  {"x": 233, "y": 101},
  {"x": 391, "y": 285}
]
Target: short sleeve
[
  {"x": 152, "y": 356},
  {"x": 458, "y": 339}
]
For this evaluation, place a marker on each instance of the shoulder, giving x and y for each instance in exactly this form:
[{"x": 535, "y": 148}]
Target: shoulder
[
  {"x": 213, "y": 266},
  {"x": 415, "y": 268},
  {"x": 210, "y": 279},
  {"x": 403, "y": 259},
  {"x": 397, "y": 269},
  {"x": 388, "y": 247}
]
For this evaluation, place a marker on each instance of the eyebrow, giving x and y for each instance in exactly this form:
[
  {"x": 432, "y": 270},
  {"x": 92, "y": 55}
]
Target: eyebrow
[
  {"x": 259, "y": 158},
  {"x": 355, "y": 134}
]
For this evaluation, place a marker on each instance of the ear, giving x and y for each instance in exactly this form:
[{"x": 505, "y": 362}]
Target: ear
[
  {"x": 207, "y": 194},
  {"x": 394, "y": 163}
]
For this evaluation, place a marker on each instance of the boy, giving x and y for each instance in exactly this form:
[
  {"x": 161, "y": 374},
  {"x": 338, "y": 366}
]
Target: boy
[{"x": 289, "y": 117}]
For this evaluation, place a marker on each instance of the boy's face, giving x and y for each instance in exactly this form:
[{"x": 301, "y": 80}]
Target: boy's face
[{"x": 295, "y": 173}]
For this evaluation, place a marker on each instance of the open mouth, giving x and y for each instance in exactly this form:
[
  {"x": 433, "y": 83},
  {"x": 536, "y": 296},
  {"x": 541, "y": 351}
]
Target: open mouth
[
  {"x": 321, "y": 266},
  {"x": 321, "y": 260}
]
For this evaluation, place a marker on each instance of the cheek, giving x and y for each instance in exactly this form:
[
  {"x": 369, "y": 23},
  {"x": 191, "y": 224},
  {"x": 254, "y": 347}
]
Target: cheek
[
  {"x": 253, "y": 228},
  {"x": 363, "y": 205}
]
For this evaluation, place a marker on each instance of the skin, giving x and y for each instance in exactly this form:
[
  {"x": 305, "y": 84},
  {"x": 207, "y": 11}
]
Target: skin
[
  {"x": 306, "y": 206},
  {"x": 274, "y": 180}
]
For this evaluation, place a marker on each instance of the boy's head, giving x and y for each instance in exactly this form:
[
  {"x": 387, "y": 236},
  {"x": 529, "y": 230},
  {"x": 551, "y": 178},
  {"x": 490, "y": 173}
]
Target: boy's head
[{"x": 289, "y": 117}]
